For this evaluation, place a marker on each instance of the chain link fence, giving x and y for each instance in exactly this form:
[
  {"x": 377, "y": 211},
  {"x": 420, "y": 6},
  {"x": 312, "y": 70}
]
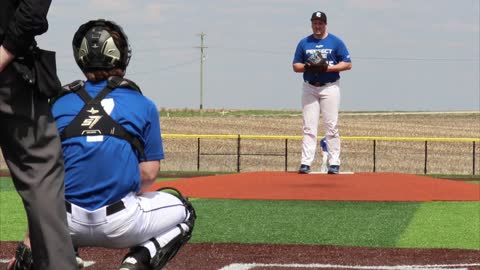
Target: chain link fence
[
  {"x": 237, "y": 153},
  {"x": 242, "y": 153}
]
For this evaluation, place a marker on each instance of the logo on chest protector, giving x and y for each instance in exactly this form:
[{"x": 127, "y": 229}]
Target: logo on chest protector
[{"x": 91, "y": 120}]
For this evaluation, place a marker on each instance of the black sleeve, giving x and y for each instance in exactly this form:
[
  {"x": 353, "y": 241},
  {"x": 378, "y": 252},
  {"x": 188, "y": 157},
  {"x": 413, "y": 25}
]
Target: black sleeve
[{"x": 30, "y": 20}]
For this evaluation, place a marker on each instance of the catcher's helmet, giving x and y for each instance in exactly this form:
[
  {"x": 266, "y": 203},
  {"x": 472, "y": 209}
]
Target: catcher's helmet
[{"x": 94, "y": 47}]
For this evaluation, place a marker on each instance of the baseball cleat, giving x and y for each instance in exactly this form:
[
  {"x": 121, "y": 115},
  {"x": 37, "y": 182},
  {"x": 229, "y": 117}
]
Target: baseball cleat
[
  {"x": 80, "y": 263},
  {"x": 334, "y": 169},
  {"x": 304, "y": 169},
  {"x": 137, "y": 259}
]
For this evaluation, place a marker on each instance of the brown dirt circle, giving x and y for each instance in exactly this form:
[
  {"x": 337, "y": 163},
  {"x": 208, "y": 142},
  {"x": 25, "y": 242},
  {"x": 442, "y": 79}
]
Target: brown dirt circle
[{"x": 342, "y": 187}]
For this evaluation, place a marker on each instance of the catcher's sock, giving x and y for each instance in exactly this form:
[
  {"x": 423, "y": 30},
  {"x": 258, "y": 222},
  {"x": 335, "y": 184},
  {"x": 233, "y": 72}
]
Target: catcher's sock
[{"x": 80, "y": 262}]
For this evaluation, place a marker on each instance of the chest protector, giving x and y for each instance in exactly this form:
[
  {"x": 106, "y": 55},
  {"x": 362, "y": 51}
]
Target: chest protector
[{"x": 93, "y": 119}]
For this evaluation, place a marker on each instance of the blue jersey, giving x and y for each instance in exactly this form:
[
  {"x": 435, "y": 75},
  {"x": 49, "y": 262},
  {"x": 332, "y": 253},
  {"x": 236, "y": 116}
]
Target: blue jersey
[
  {"x": 100, "y": 170},
  {"x": 331, "y": 47}
]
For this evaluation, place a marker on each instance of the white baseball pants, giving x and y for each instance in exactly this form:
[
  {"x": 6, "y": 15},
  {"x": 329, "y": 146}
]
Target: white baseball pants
[
  {"x": 150, "y": 215},
  {"x": 324, "y": 100},
  {"x": 324, "y": 166}
]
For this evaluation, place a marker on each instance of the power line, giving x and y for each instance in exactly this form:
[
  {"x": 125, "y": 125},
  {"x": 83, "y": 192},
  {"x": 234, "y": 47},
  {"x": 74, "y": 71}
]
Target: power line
[
  {"x": 156, "y": 50},
  {"x": 235, "y": 51},
  {"x": 415, "y": 59},
  {"x": 262, "y": 51},
  {"x": 253, "y": 50},
  {"x": 168, "y": 67},
  {"x": 373, "y": 58}
]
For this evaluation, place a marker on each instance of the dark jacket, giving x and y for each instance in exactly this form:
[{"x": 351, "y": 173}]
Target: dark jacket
[{"x": 20, "y": 22}]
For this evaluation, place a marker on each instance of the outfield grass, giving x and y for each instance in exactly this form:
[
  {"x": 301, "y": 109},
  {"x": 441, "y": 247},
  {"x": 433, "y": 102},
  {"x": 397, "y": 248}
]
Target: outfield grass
[
  {"x": 230, "y": 113},
  {"x": 368, "y": 224}
]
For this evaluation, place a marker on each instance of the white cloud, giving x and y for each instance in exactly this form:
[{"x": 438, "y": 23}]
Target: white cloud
[
  {"x": 111, "y": 5},
  {"x": 458, "y": 27},
  {"x": 155, "y": 12},
  {"x": 373, "y": 4}
]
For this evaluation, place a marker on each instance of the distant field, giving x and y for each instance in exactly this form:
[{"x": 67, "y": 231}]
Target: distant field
[
  {"x": 351, "y": 124},
  {"x": 443, "y": 157},
  {"x": 408, "y": 157}
]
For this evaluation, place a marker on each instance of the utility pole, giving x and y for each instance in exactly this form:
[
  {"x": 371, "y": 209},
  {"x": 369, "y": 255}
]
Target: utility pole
[{"x": 202, "y": 59}]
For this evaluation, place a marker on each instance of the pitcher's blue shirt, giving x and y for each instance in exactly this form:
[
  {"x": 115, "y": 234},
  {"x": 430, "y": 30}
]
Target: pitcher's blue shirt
[
  {"x": 100, "y": 170},
  {"x": 331, "y": 47}
]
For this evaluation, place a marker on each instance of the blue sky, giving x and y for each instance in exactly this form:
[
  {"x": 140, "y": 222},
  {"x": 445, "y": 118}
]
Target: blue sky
[{"x": 408, "y": 55}]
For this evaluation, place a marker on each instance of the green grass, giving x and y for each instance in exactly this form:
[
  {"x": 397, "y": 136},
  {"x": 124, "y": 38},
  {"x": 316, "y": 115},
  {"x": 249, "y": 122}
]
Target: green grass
[
  {"x": 464, "y": 177},
  {"x": 368, "y": 224},
  {"x": 190, "y": 173},
  {"x": 188, "y": 112},
  {"x": 6, "y": 184},
  {"x": 13, "y": 221},
  {"x": 230, "y": 113},
  {"x": 302, "y": 222},
  {"x": 444, "y": 224}
]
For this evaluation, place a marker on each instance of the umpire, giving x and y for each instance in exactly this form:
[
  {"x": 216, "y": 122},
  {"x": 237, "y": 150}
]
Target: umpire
[{"x": 29, "y": 139}]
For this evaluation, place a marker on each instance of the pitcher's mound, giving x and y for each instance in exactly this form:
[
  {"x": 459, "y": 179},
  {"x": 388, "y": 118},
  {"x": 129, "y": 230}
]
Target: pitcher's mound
[{"x": 342, "y": 187}]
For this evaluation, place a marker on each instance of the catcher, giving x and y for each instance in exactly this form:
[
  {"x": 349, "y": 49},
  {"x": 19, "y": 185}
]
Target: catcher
[{"x": 112, "y": 147}]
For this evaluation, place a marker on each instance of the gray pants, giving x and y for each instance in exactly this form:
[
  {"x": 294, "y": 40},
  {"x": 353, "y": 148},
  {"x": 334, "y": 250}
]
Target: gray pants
[{"x": 32, "y": 150}]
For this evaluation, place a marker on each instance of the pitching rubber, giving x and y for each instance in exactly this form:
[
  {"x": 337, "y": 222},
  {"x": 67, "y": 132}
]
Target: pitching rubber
[{"x": 327, "y": 173}]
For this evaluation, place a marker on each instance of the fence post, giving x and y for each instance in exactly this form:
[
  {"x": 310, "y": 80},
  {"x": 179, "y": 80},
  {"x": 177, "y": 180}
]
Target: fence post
[
  {"x": 425, "y": 165},
  {"x": 198, "y": 154},
  {"x": 374, "y": 155},
  {"x": 238, "y": 153},
  {"x": 286, "y": 154},
  {"x": 473, "y": 167}
]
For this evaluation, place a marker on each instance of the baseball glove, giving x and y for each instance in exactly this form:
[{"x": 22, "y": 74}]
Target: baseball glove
[
  {"x": 316, "y": 63},
  {"x": 23, "y": 258}
]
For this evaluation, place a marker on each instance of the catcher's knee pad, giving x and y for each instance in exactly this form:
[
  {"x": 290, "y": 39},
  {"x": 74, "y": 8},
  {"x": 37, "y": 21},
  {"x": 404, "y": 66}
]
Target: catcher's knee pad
[
  {"x": 191, "y": 215},
  {"x": 166, "y": 253},
  {"x": 23, "y": 257}
]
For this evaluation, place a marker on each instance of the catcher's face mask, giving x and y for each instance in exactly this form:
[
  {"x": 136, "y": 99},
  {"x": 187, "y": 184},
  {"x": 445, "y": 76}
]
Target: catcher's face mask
[{"x": 94, "y": 47}]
